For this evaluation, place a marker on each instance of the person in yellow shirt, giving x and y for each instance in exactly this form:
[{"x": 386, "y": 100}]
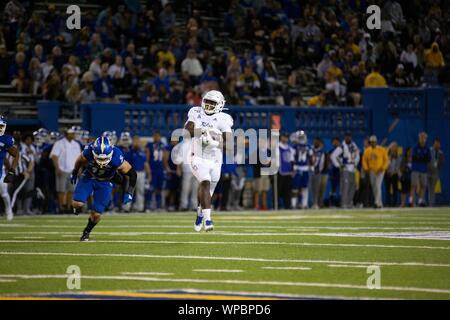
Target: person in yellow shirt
[
  {"x": 433, "y": 57},
  {"x": 375, "y": 163},
  {"x": 375, "y": 79}
]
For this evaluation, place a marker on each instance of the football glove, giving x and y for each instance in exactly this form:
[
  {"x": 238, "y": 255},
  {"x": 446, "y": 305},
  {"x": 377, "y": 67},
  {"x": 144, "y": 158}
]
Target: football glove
[
  {"x": 73, "y": 177},
  {"x": 127, "y": 198},
  {"x": 9, "y": 177}
]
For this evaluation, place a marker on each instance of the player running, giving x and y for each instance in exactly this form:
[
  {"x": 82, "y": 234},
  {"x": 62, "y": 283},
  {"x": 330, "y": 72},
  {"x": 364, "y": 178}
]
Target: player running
[
  {"x": 303, "y": 160},
  {"x": 100, "y": 161},
  {"x": 7, "y": 146},
  {"x": 209, "y": 128}
]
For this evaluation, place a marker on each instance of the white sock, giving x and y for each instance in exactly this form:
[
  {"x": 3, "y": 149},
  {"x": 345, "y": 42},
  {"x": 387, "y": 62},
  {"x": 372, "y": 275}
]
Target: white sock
[
  {"x": 199, "y": 211},
  {"x": 294, "y": 202},
  {"x": 7, "y": 202},
  {"x": 420, "y": 200},
  {"x": 305, "y": 198},
  {"x": 206, "y": 214}
]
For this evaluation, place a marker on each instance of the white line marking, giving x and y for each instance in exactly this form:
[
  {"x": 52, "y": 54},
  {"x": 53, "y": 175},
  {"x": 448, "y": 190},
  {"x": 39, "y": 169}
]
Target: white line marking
[
  {"x": 146, "y": 273},
  {"x": 286, "y": 268},
  {"x": 240, "y": 282},
  {"x": 218, "y": 270},
  {"x": 28, "y": 238},
  {"x": 437, "y": 237},
  {"x": 156, "y": 256},
  {"x": 8, "y": 280},
  {"x": 346, "y": 266},
  {"x": 275, "y": 243}
]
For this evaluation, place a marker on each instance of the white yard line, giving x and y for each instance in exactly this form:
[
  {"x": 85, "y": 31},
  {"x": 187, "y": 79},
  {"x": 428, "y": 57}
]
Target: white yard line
[
  {"x": 184, "y": 257},
  {"x": 286, "y": 268},
  {"x": 257, "y": 243},
  {"x": 146, "y": 273},
  {"x": 240, "y": 282},
  {"x": 347, "y": 266},
  {"x": 218, "y": 270},
  {"x": 446, "y": 237}
]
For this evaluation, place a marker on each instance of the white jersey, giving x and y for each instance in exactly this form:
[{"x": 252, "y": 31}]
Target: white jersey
[{"x": 216, "y": 124}]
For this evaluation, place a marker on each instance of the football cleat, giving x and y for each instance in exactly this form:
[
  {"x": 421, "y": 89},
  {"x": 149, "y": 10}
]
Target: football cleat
[
  {"x": 209, "y": 226},
  {"x": 198, "y": 224},
  {"x": 84, "y": 236}
]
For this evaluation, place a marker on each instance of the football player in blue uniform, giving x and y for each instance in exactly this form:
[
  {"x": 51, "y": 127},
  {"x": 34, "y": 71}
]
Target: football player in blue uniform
[
  {"x": 7, "y": 146},
  {"x": 154, "y": 152},
  {"x": 100, "y": 161},
  {"x": 303, "y": 161}
]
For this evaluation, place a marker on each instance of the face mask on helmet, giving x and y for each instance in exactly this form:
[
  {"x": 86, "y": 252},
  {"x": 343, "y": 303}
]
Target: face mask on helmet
[
  {"x": 102, "y": 159},
  {"x": 2, "y": 128},
  {"x": 209, "y": 106}
]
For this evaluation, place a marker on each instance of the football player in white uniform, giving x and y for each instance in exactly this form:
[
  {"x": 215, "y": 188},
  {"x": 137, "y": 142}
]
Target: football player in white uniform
[{"x": 209, "y": 129}]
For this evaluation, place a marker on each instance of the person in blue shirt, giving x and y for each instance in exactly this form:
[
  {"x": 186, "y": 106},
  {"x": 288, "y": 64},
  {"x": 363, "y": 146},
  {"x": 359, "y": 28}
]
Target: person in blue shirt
[
  {"x": 139, "y": 162},
  {"x": 154, "y": 152},
  {"x": 124, "y": 145},
  {"x": 421, "y": 156},
  {"x": 100, "y": 162},
  {"x": 7, "y": 145}
]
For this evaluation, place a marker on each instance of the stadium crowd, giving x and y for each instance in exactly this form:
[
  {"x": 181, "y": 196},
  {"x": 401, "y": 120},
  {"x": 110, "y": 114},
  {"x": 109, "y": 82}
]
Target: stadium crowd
[
  {"x": 162, "y": 53},
  {"x": 346, "y": 175}
]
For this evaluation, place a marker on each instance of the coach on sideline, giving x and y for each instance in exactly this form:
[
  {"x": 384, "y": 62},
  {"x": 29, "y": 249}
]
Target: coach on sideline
[
  {"x": 64, "y": 154},
  {"x": 375, "y": 163}
]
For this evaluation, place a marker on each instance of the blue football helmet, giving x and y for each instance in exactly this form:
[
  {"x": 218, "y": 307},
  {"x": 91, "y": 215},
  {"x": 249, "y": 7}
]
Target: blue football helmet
[
  {"x": 40, "y": 136},
  {"x": 125, "y": 139},
  {"x": 111, "y": 135},
  {"x": 2, "y": 125},
  {"x": 102, "y": 151},
  {"x": 53, "y": 137}
]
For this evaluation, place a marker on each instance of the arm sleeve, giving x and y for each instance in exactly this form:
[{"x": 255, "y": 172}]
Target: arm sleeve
[
  {"x": 227, "y": 124},
  {"x": 56, "y": 150},
  {"x": 9, "y": 142},
  {"x": 364, "y": 160},
  {"x": 334, "y": 155}
]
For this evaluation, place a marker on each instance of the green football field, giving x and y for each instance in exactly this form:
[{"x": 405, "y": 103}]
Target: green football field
[{"x": 286, "y": 254}]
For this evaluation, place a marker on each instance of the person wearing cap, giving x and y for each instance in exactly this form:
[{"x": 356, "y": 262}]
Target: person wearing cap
[
  {"x": 421, "y": 156},
  {"x": 435, "y": 167},
  {"x": 375, "y": 162},
  {"x": 64, "y": 154},
  {"x": 346, "y": 157}
]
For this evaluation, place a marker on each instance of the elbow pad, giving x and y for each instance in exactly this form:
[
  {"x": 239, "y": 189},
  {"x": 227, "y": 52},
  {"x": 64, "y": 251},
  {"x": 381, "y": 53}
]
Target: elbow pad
[{"x": 131, "y": 183}]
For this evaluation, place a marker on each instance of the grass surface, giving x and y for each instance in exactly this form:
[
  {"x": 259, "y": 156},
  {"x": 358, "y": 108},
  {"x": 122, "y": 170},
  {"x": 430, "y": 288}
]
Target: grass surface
[{"x": 304, "y": 254}]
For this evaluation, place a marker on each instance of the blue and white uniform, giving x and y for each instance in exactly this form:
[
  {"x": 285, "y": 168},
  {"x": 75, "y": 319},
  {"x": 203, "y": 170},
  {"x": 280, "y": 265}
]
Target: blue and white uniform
[
  {"x": 303, "y": 156},
  {"x": 97, "y": 180},
  {"x": 6, "y": 142}
]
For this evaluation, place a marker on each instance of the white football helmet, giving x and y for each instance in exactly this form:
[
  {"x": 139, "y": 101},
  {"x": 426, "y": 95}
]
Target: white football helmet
[{"x": 213, "y": 102}]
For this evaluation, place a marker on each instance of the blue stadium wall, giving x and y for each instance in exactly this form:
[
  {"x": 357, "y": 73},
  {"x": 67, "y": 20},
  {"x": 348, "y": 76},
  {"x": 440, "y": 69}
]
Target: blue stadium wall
[{"x": 391, "y": 114}]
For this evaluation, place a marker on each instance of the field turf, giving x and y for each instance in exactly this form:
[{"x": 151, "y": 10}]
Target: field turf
[{"x": 284, "y": 254}]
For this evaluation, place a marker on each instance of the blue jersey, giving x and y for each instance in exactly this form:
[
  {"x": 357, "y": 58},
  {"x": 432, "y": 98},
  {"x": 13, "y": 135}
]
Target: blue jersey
[
  {"x": 137, "y": 159},
  {"x": 303, "y": 155},
  {"x": 319, "y": 160},
  {"x": 94, "y": 171},
  {"x": 156, "y": 156},
  {"x": 126, "y": 153},
  {"x": 421, "y": 156},
  {"x": 6, "y": 142},
  {"x": 286, "y": 159}
]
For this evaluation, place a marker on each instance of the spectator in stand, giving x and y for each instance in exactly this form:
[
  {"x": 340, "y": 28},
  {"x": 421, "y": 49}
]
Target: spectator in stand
[
  {"x": 206, "y": 36},
  {"x": 401, "y": 78},
  {"x": 409, "y": 58},
  {"x": 375, "y": 79},
  {"x": 165, "y": 57},
  {"x": 5, "y": 62},
  {"x": 392, "y": 175},
  {"x": 375, "y": 163},
  {"x": 117, "y": 72},
  {"x": 355, "y": 83},
  {"x": 421, "y": 156},
  {"x": 87, "y": 94},
  {"x": 63, "y": 154},
  {"x": 72, "y": 65},
  {"x": 36, "y": 76},
  {"x": 17, "y": 72},
  {"x": 192, "y": 66},
  {"x": 167, "y": 19},
  {"x": 48, "y": 67},
  {"x": 435, "y": 167},
  {"x": 96, "y": 67},
  {"x": 434, "y": 63},
  {"x": 248, "y": 82},
  {"x": 103, "y": 86}
]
